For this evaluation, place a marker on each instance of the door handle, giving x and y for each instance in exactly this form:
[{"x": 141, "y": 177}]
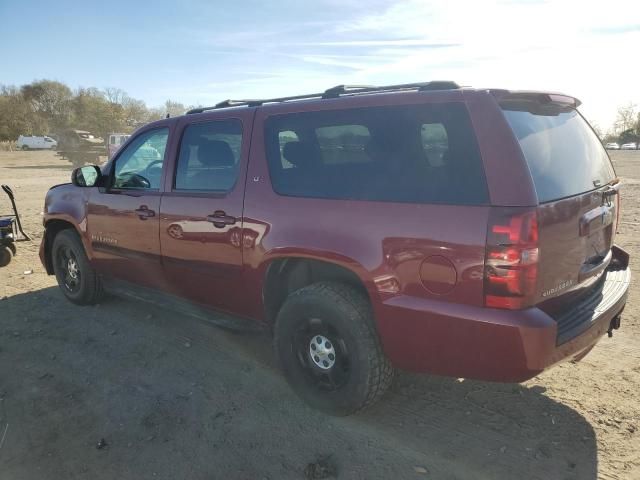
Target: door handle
[
  {"x": 220, "y": 219},
  {"x": 144, "y": 212}
]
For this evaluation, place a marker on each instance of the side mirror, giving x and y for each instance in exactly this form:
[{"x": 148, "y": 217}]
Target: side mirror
[{"x": 87, "y": 176}]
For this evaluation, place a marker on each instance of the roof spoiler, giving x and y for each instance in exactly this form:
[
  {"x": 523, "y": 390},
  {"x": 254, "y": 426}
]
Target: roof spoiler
[{"x": 542, "y": 98}]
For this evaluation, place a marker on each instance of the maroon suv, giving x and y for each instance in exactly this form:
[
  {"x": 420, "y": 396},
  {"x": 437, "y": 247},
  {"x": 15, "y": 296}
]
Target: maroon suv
[{"x": 425, "y": 227}]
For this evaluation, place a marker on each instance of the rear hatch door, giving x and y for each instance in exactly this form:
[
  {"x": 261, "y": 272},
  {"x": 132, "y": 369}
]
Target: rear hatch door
[{"x": 578, "y": 197}]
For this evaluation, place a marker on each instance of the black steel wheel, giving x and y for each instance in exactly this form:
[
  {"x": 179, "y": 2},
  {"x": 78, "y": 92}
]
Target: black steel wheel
[
  {"x": 76, "y": 277},
  {"x": 327, "y": 345},
  {"x": 67, "y": 264}
]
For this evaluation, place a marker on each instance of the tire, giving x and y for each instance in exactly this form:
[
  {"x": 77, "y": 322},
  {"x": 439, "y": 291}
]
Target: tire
[
  {"x": 331, "y": 319},
  {"x": 174, "y": 230},
  {"x": 76, "y": 277},
  {"x": 5, "y": 255},
  {"x": 25, "y": 147}
]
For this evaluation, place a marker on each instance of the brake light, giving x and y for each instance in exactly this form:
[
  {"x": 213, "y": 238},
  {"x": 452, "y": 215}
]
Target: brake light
[{"x": 511, "y": 263}]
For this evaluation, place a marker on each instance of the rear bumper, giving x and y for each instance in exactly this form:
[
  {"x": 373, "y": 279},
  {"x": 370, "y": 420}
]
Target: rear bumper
[{"x": 491, "y": 344}]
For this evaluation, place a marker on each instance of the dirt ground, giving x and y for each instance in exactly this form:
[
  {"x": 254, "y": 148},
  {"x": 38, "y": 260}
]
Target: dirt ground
[{"x": 175, "y": 398}]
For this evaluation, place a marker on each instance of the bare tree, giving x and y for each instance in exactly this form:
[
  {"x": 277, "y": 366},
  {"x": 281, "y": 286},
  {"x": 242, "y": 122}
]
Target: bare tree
[
  {"x": 627, "y": 118},
  {"x": 115, "y": 95},
  {"x": 136, "y": 112},
  {"x": 174, "y": 109}
]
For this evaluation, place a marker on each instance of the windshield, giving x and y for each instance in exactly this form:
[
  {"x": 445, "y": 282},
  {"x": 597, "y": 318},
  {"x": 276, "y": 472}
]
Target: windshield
[{"x": 564, "y": 155}]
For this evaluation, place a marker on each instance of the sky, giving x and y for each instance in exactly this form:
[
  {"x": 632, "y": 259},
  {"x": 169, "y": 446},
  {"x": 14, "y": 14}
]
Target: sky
[{"x": 200, "y": 52}]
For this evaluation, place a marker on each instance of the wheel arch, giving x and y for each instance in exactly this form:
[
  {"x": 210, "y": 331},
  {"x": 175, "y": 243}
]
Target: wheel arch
[
  {"x": 286, "y": 274},
  {"x": 52, "y": 228}
]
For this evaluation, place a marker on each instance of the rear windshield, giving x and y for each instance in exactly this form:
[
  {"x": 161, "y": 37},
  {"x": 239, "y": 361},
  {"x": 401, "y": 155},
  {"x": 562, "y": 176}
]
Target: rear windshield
[
  {"x": 414, "y": 154},
  {"x": 564, "y": 155}
]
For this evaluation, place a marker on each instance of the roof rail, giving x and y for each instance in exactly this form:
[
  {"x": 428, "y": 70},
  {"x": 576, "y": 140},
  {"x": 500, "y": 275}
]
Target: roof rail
[
  {"x": 355, "y": 89},
  {"x": 335, "y": 92},
  {"x": 338, "y": 90}
]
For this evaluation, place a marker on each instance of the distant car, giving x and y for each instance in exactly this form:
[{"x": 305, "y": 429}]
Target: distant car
[
  {"x": 115, "y": 141},
  {"x": 629, "y": 146},
  {"x": 612, "y": 146},
  {"x": 33, "y": 142}
]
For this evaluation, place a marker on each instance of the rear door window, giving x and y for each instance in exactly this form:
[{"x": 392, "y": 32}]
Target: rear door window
[
  {"x": 414, "y": 154},
  {"x": 563, "y": 153}
]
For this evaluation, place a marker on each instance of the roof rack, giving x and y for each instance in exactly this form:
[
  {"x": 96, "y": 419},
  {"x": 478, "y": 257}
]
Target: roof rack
[{"x": 334, "y": 92}]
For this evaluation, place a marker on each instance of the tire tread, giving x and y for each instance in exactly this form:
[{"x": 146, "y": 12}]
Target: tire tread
[{"x": 382, "y": 372}]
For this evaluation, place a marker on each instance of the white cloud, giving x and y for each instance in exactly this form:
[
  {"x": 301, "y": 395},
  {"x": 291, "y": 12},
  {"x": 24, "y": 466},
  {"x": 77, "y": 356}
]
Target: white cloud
[{"x": 585, "y": 49}]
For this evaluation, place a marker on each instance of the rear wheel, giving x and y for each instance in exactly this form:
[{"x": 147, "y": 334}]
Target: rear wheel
[
  {"x": 327, "y": 345},
  {"x": 5, "y": 255},
  {"x": 76, "y": 278}
]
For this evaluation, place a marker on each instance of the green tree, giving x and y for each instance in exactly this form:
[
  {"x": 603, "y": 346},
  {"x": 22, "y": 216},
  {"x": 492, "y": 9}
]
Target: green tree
[
  {"x": 17, "y": 117},
  {"x": 49, "y": 100},
  {"x": 47, "y": 106},
  {"x": 629, "y": 136},
  {"x": 95, "y": 113}
]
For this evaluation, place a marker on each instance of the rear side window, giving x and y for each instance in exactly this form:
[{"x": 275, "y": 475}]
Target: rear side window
[
  {"x": 343, "y": 144},
  {"x": 564, "y": 155},
  {"x": 209, "y": 156},
  {"x": 413, "y": 154}
]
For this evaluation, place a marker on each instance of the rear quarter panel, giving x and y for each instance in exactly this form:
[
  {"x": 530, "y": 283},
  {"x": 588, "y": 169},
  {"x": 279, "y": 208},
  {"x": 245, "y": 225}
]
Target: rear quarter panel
[{"x": 506, "y": 170}]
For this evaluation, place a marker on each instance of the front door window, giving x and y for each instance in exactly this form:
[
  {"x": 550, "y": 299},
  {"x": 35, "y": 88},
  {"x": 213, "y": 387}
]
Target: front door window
[{"x": 139, "y": 167}]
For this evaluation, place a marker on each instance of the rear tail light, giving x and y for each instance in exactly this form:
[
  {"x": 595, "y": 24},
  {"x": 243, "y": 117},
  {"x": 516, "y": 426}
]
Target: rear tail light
[{"x": 511, "y": 263}]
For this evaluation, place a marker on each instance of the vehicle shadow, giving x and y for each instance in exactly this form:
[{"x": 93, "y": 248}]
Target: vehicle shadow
[
  {"x": 473, "y": 429},
  {"x": 487, "y": 430},
  {"x": 470, "y": 429},
  {"x": 167, "y": 375}
]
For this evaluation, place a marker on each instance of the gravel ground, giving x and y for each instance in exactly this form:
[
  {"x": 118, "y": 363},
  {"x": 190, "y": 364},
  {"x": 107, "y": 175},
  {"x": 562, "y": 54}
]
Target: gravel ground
[{"x": 125, "y": 390}]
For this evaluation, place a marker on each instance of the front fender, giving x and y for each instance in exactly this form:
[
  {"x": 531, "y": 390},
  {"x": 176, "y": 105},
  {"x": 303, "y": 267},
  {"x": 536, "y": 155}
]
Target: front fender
[{"x": 65, "y": 204}]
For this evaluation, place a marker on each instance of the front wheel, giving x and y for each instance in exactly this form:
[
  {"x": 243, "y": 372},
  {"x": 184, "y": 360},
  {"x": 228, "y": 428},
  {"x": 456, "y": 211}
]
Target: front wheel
[
  {"x": 75, "y": 275},
  {"x": 328, "y": 348},
  {"x": 5, "y": 255},
  {"x": 25, "y": 147}
]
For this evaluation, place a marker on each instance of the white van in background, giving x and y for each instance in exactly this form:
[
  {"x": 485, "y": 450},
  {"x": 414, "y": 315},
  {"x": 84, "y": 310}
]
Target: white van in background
[
  {"x": 33, "y": 142},
  {"x": 115, "y": 141}
]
